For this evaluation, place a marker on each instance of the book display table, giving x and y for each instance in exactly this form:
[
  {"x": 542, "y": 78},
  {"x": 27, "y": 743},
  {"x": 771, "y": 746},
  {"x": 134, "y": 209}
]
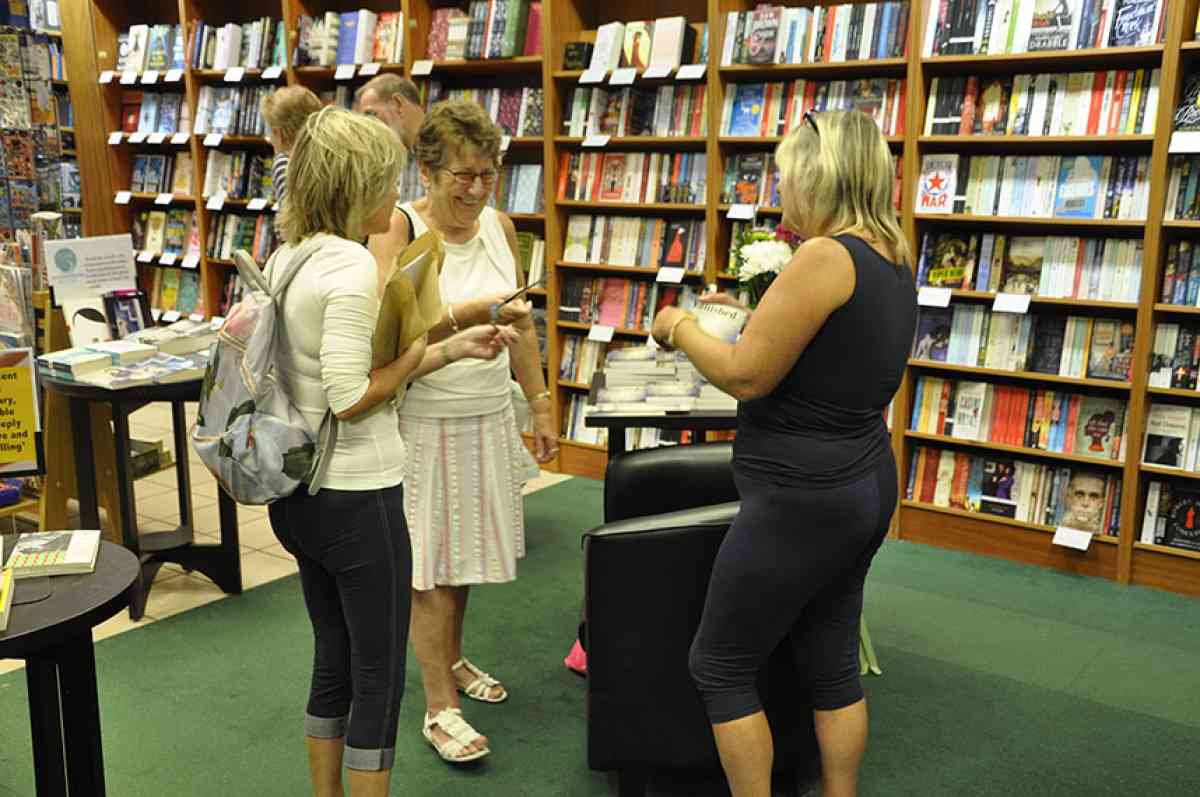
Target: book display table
[
  {"x": 51, "y": 628},
  {"x": 695, "y": 420},
  {"x": 220, "y": 562}
]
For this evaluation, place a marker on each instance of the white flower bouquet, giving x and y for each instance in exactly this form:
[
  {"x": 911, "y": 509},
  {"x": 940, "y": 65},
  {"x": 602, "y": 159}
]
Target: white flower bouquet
[{"x": 758, "y": 257}]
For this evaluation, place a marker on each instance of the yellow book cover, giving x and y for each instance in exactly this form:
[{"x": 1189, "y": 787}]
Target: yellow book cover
[{"x": 6, "y": 596}]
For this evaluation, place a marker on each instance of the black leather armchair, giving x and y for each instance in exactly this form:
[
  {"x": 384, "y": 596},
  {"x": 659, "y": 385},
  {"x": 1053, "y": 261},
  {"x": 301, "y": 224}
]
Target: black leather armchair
[{"x": 646, "y": 577}]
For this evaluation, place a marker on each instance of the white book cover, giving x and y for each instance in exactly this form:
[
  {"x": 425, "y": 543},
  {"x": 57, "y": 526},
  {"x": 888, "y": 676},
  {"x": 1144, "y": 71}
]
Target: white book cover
[
  {"x": 364, "y": 43},
  {"x": 1150, "y": 517},
  {"x": 968, "y": 410},
  {"x": 935, "y": 188},
  {"x": 667, "y": 47},
  {"x": 606, "y": 54},
  {"x": 1168, "y": 428},
  {"x": 52, "y": 553},
  {"x": 731, "y": 23}
]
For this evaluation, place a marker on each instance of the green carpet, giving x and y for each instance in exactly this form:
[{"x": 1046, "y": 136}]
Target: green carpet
[{"x": 999, "y": 679}]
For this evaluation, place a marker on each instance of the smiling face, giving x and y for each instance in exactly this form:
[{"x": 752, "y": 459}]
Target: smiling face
[{"x": 457, "y": 201}]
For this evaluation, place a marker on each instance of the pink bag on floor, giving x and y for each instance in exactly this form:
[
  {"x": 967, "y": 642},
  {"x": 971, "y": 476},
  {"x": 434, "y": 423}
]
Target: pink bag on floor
[{"x": 576, "y": 660}]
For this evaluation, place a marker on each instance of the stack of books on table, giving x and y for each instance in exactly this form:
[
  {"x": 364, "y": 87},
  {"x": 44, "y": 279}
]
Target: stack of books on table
[
  {"x": 645, "y": 381},
  {"x": 116, "y": 364},
  {"x": 182, "y": 337}
]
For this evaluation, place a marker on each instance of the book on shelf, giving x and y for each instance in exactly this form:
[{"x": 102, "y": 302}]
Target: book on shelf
[
  {"x": 1049, "y": 420},
  {"x": 239, "y": 175},
  {"x": 673, "y": 44},
  {"x": 531, "y": 256},
  {"x": 486, "y": 30},
  {"x": 231, "y": 110},
  {"x": 666, "y": 110},
  {"x": 1171, "y": 432},
  {"x": 53, "y": 553},
  {"x": 1181, "y": 275},
  {"x": 580, "y": 358},
  {"x": 253, "y": 45},
  {"x": 1172, "y": 515},
  {"x": 772, "y": 109},
  {"x": 963, "y": 27},
  {"x": 1100, "y": 103},
  {"x": 771, "y": 34},
  {"x": 517, "y": 110},
  {"x": 608, "y": 47},
  {"x": 1004, "y": 486},
  {"x": 635, "y": 241},
  {"x": 630, "y": 177},
  {"x": 618, "y": 302},
  {"x": 1174, "y": 359},
  {"x": 254, "y": 232}
]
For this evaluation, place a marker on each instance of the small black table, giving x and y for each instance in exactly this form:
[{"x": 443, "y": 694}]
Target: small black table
[
  {"x": 696, "y": 420},
  {"x": 220, "y": 562},
  {"x": 51, "y": 628}
]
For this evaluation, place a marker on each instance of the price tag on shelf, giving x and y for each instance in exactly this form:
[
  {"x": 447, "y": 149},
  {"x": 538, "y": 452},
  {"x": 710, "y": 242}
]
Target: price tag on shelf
[
  {"x": 180, "y": 138},
  {"x": 593, "y": 76},
  {"x": 129, "y": 77},
  {"x": 623, "y": 77},
  {"x": 422, "y": 67},
  {"x": 656, "y": 72},
  {"x": 672, "y": 274},
  {"x": 156, "y": 138},
  {"x": 691, "y": 72},
  {"x": 601, "y": 333},
  {"x": 107, "y": 76},
  {"x": 137, "y": 138},
  {"x": 216, "y": 323},
  {"x": 741, "y": 212},
  {"x": 163, "y": 199},
  {"x": 216, "y": 201},
  {"x": 115, "y": 137},
  {"x": 1011, "y": 303},
  {"x": 258, "y": 203},
  {"x": 167, "y": 259},
  {"x": 155, "y": 313},
  {"x": 173, "y": 76},
  {"x": 1072, "y": 538},
  {"x": 597, "y": 140},
  {"x": 929, "y": 296},
  {"x": 123, "y": 197},
  {"x": 505, "y": 141},
  {"x": 145, "y": 257},
  {"x": 213, "y": 139},
  {"x": 171, "y": 316},
  {"x": 197, "y": 317},
  {"x": 1184, "y": 141},
  {"x": 190, "y": 261},
  {"x": 344, "y": 72},
  {"x": 234, "y": 74},
  {"x": 366, "y": 70},
  {"x": 272, "y": 73},
  {"x": 150, "y": 77}
]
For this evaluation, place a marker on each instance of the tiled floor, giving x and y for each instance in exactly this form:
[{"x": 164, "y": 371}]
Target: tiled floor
[{"x": 263, "y": 559}]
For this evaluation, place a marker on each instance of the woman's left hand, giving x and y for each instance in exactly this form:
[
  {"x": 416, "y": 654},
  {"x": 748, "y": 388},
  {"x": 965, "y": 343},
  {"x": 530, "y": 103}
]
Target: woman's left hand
[
  {"x": 545, "y": 440},
  {"x": 483, "y": 342},
  {"x": 661, "y": 329}
]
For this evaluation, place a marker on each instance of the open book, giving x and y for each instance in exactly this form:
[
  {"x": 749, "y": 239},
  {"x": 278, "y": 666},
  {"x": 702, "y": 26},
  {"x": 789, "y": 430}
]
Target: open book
[{"x": 411, "y": 303}]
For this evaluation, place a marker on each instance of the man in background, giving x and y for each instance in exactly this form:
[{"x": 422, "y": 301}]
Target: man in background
[{"x": 396, "y": 102}]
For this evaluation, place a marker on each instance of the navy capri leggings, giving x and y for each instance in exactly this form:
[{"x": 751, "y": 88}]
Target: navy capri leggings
[{"x": 792, "y": 564}]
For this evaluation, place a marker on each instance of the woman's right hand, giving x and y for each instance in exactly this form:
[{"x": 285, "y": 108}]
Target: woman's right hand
[
  {"x": 511, "y": 312},
  {"x": 725, "y": 299},
  {"x": 482, "y": 342}
]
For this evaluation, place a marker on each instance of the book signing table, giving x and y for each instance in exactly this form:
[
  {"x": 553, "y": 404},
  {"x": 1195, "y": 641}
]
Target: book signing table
[
  {"x": 51, "y": 628},
  {"x": 220, "y": 562}
]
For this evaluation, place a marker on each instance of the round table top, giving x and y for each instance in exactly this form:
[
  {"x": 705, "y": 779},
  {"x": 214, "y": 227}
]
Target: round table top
[
  {"x": 76, "y": 604},
  {"x": 188, "y": 390}
]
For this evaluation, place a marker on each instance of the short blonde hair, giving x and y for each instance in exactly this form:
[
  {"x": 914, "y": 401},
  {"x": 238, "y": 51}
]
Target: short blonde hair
[
  {"x": 286, "y": 109},
  {"x": 451, "y": 125},
  {"x": 840, "y": 176},
  {"x": 341, "y": 168}
]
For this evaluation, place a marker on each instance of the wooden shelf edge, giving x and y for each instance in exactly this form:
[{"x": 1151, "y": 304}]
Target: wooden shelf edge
[
  {"x": 1171, "y": 473},
  {"x": 1037, "y": 221},
  {"x": 906, "y": 503},
  {"x": 1028, "y": 376},
  {"x": 980, "y": 140},
  {"x": 1022, "y": 450},
  {"x": 1053, "y": 300},
  {"x": 1166, "y": 550},
  {"x": 1178, "y": 392},
  {"x": 639, "y": 333}
]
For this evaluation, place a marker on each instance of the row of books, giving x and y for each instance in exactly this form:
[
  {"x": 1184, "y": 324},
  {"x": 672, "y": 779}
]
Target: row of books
[
  {"x": 531, "y": 256},
  {"x": 142, "y": 47},
  {"x": 1048, "y": 420},
  {"x": 176, "y": 289},
  {"x": 166, "y": 232},
  {"x": 772, "y": 34},
  {"x": 662, "y": 44},
  {"x": 1104, "y": 103},
  {"x": 1181, "y": 277},
  {"x": 518, "y": 111},
  {"x": 668, "y": 110},
  {"x": 1072, "y": 346},
  {"x": 1172, "y": 436},
  {"x": 351, "y": 37},
  {"x": 1171, "y": 516},
  {"x": 773, "y": 109},
  {"x": 1174, "y": 359},
  {"x": 751, "y": 178},
  {"x": 966, "y": 27},
  {"x": 580, "y": 357},
  {"x": 1183, "y": 198},
  {"x": 58, "y": 186},
  {"x": 635, "y": 241},
  {"x": 1056, "y": 266},
  {"x": 254, "y": 232},
  {"x": 253, "y": 45},
  {"x": 1036, "y": 186},
  {"x": 155, "y": 112},
  {"x": 487, "y": 29},
  {"x": 162, "y": 174},
  {"x": 519, "y": 189},
  {"x": 1031, "y": 492},
  {"x": 239, "y": 175},
  {"x": 231, "y": 110},
  {"x": 679, "y": 177},
  {"x": 617, "y": 301}
]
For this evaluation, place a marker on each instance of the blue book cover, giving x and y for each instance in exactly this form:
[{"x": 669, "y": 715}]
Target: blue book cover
[
  {"x": 746, "y": 119},
  {"x": 346, "y": 37},
  {"x": 1078, "y": 185},
  {"x": 1133, "y": 23}
]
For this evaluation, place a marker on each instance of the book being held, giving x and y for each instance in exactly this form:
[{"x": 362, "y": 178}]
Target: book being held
[{"x": 54, "y": 553}]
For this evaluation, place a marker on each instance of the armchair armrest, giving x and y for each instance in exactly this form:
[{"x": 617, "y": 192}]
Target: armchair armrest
[{"x": 669, "y": 478}]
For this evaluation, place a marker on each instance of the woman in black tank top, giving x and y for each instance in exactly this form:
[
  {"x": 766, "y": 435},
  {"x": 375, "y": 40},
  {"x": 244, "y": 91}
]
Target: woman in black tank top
[{"x": 818, "y": 362}]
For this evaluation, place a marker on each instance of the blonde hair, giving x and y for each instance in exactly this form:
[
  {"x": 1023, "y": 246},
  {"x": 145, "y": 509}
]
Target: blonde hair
[
  {"x": 342, "y": 166},
  {"x": 450, "y": 125},
  {"x": 839, "y": 177},
  {"x": 286, "y": 109}
]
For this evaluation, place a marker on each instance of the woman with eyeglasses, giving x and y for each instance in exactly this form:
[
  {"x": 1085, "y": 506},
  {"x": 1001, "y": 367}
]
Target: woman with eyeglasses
[
  {"x": 814, "y": 369},
  {"x": 464, "y": 471}
]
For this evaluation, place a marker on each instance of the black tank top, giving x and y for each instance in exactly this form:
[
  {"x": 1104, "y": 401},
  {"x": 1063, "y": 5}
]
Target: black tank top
[{"x": 823, "y": 424}]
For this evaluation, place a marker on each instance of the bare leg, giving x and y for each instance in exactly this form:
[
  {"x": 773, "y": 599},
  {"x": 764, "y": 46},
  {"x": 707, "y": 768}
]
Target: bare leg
[
  {"x": 368, "y": 784},
  {"x": 325, "y": 765},
  {"x": 432, "y": 632},
  {"x": 842, "y": 735},
  {"x": 746, "y": 754},
  {"x": 461, "y": 595}
]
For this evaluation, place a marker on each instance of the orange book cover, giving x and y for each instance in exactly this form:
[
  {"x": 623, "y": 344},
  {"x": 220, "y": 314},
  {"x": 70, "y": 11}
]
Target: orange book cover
[
  {"x": 1118, "y": 100},
  {"x": 1098, "y": 80}
]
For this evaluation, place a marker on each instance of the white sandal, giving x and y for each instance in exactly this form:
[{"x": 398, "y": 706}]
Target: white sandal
[
  {"x": 454, "y": 749},
  {"x": 480, "y": 688}
]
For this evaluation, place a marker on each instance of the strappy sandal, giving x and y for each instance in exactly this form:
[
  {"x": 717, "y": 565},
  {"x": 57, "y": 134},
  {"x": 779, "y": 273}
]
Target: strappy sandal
[
  {"x": 481, "y": 687},
  {"x": 454, "y": 750}
]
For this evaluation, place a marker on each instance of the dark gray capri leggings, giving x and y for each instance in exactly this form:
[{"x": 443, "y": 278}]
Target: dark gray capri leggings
[
  {"x": 792, "y": 564},
  {"x": 355, "y": 562}
]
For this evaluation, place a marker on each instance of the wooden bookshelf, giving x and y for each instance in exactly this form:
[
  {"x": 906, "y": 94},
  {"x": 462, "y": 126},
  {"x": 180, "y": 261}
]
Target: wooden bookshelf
[{"x": 1024, "y": 451}]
